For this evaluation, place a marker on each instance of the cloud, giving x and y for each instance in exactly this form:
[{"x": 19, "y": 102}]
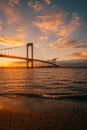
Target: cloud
[
  {"x": 78, "y": 55},
  {"x": 57, "y": 23},
  {"x": 67, "y": 42},
  {"x": 50, "y": 23},
  {"x": 60, "y": 25},
  {"x": 1, "y": 25},
  {"x": 36, "y": 6},
  {"x": 11, "y": 14},
  {"x": 15, "y": 22},
  {"x": 47, "y": 1},
  {"x": 12, "y": 2},
  {"x": 43, "y": 38},
  {"x": 63, "y": 43},
  {"x": 21, "y": 32},
  {"x": 9, "y": 40},
  {"x": 71, "y": 26}
]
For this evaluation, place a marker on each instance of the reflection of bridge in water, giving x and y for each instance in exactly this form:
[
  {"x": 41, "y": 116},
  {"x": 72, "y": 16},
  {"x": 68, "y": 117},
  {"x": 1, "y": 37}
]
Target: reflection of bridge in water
[{"x": 26, "y": 58}]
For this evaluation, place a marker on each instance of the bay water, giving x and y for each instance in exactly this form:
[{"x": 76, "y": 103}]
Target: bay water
[{"x": 53, "y": 83}]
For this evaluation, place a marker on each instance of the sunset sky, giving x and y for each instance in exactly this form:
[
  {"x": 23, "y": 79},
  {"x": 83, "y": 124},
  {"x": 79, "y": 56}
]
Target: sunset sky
[{"x": 58, "y": 28}]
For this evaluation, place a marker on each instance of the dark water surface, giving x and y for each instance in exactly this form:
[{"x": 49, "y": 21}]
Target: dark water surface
[{"x": 53, "y": 83}]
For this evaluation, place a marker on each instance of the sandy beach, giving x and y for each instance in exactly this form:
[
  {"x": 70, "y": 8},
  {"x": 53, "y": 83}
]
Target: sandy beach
[{"x": 44, "y": 115}]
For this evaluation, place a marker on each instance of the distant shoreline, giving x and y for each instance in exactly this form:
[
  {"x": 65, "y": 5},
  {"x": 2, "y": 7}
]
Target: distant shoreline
[{"x": 43, "y": 67}]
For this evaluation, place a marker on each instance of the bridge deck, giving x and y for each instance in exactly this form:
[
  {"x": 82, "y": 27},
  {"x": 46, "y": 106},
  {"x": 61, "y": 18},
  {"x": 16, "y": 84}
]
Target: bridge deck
[{"x": 23, "y": 58}]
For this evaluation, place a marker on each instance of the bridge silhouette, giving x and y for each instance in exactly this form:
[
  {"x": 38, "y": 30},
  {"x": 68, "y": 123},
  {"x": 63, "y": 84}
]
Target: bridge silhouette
[{"x": 27, "y": 58}]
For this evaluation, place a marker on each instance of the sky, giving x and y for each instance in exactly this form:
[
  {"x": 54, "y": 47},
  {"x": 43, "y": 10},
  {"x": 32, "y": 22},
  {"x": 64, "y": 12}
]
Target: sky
[{"x": 57, "y": 28}]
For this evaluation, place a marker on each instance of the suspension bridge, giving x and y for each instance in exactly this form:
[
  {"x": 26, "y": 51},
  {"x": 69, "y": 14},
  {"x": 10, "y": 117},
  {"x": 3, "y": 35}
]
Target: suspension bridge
[{"x": 27, "y": 55}]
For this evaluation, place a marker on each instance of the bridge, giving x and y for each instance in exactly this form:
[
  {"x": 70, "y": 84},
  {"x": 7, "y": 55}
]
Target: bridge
[{"x": 29, "y": 58}]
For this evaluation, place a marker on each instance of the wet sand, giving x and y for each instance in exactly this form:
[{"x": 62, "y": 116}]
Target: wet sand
[{"x": 44, "y": 115}]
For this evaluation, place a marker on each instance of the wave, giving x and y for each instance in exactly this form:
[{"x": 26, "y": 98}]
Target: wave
[
  {"x": 47, "y": 96},
  {"x": 74, "y": 97},
  {"x": 80, "y": 82}
]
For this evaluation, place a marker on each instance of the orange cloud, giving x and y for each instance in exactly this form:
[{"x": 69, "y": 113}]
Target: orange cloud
[
  {"x": 50, "y": 23},
  {"x": 9, "y": 40},
  {"x": 66, "y": 43},
  {"x": 12, "y": 2},
  {"x": 15, "y": 21},
  {"x": 21, "y": 32},
  {"x": 36, "y": 6},
  {"x": 70, "y": 27},
  {"x": 13, "y": 17},
  {"x": 78, "y": 55},
  {"x": 43, "y": 38},
  {"x": 47, "y": 1},
  {"x": 56, "y": 23},
  {"x": 1, "y": 25}
]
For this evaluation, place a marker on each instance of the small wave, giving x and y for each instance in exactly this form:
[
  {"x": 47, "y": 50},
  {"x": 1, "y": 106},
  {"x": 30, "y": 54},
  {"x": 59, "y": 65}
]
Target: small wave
[
  {"x": 80, "y": 82},
  {"x": 57, "y": 83},
  {"x": 46, "y": 96},
  {"x": 20, "y": 94},
  {"x": 70, "y": 97}
]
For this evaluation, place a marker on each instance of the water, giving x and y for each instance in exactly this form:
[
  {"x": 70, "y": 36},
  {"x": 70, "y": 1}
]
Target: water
[{"x": 53, "y": 83}]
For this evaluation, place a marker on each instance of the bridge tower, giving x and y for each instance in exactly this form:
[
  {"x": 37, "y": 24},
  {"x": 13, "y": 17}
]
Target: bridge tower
[
  {"x": 54, "y": 60},
  {"x": 28, "y": 58}
]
